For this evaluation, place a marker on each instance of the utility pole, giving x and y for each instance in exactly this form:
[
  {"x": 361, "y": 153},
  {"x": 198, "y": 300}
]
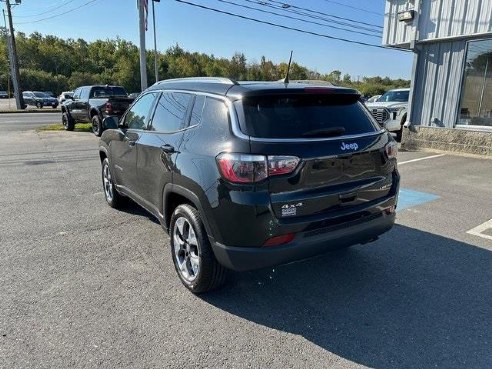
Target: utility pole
[
  {"x": 143, "y": 55},
  {"x": 9, "y": 57},
  {"x": 19, "y": 101}
]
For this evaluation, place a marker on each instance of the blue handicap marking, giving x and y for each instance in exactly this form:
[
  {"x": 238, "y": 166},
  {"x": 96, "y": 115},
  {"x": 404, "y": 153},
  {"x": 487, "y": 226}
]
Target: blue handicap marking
[{"x": 410, "y": 198}]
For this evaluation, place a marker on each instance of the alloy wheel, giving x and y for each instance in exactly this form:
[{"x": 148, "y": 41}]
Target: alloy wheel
[
  {"x": 107, "y": 183},
  {"x": 186, "y": 249}
]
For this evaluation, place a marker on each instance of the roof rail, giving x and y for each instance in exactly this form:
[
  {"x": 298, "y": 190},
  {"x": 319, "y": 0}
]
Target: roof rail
[
  {"x": 309, "y": 82},
  {"x": 224, "y": 80}
]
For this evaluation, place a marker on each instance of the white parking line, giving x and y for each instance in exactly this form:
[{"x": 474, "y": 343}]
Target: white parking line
[
  {"x": 477, "y": 231},
  {"x": 419, "y": 159}
]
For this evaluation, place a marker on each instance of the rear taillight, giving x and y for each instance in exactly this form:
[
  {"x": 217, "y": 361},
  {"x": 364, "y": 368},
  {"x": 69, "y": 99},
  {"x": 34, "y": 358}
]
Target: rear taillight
[
  {"x": 109, "y": 108},
  {"x": 244, "y": 168},
  {"x": 391, "y": 150}
]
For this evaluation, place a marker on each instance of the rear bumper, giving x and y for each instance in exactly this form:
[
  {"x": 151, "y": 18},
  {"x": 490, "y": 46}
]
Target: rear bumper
[{"x": 305, "y": 244}]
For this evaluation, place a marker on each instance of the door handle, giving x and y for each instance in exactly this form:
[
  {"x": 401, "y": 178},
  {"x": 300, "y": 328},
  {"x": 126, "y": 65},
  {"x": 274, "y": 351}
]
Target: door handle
[{"x": 168, "y": 149}]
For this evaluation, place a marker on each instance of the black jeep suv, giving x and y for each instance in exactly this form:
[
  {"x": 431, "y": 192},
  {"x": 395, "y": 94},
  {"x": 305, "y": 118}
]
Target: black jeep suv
[{"x": 245, "y": 175}]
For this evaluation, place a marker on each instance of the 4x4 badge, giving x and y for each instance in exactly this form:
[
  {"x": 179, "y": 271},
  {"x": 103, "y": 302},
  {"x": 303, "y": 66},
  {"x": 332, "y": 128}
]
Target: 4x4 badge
[
  {"x": 351, "y": 146},
  {"x": 290, "y": 209}
]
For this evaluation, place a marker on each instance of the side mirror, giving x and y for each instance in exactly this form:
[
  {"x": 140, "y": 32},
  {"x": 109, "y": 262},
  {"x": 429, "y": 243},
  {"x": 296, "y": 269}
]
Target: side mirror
[{"x": 110, "y": 122}]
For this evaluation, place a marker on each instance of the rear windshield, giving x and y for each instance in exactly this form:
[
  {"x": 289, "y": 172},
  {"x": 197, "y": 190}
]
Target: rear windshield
[
  {"x": 108, "y": 91},
  {"x": 304, "y": 116}
]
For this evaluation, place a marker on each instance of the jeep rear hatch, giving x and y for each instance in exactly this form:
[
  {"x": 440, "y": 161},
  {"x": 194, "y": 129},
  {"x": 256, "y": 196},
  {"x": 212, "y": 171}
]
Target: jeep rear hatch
[{"x": 344, "y": 161}]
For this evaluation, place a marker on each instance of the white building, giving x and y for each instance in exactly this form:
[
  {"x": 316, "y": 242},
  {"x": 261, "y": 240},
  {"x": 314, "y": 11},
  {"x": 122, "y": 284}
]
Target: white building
[{"x": 452, "y": 69}]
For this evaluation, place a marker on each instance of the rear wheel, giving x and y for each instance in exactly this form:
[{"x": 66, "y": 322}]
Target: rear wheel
[
  {"x": 113, "y": 197},
  {"x": 96, "y": 125},
  {"x": 192, "y": 254}
]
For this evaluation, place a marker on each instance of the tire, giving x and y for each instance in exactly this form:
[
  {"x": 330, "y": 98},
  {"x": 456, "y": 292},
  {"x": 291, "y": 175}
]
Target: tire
[
  {"x": 39, "y": 105},
  {"x": 193, "y": 258},
  {"x": 68, "y": 122},
  {"x": 96, "y": 125},
  {"x": 111, "y": 194},
  {"x": 399, "y": 133}
]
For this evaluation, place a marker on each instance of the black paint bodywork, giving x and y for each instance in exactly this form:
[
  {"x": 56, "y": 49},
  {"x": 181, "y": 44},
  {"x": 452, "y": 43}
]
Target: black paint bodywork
[{"x": 343, "y": 196}]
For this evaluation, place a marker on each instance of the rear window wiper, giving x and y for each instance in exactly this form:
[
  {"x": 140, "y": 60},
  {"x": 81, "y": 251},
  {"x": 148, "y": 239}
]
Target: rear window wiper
[{"x": 325, "y": 132}]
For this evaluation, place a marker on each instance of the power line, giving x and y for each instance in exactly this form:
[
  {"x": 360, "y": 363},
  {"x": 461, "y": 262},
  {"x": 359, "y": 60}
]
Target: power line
[
  {"x": 299, "y": 19},
  {"x": 59, "y": 15},
  {"x": 325, "y": 17},
  {"x": 313, "y": 16},
  {"x": 281, "y": 26},
  {"x": 52, "y": 8},
  {"x": 353, "y": 7},
  {"x": 322, "y": 13}
]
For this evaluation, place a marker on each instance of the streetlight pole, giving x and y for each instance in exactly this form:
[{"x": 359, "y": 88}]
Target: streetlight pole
[
  {"x": 143, "y": 55},
  {"x": 155, "y": 42}
]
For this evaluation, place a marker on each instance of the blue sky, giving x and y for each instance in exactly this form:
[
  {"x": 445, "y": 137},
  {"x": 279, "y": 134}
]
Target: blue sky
[{"x": 201, "y": 30}]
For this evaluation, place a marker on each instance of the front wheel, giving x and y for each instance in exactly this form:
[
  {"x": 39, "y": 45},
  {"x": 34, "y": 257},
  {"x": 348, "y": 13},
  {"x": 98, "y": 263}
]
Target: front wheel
[
  {"x": 192, "y": 254},
  {"x": 39, "y": 105},
  {"x": 68, "y": 122},
  {"x": 96, "y": 126}
]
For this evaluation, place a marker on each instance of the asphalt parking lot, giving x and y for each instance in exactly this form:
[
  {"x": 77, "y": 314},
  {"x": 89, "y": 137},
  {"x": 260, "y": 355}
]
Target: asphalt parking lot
[{"x": 84, "y": 286}]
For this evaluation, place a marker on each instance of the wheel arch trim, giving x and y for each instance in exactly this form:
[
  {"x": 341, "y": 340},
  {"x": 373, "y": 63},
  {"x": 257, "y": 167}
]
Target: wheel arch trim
[{"x": 170, "y": 189}]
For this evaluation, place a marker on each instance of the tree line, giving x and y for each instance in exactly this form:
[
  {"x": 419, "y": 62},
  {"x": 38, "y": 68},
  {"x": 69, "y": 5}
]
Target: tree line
[{"x": 49, "y": 63}]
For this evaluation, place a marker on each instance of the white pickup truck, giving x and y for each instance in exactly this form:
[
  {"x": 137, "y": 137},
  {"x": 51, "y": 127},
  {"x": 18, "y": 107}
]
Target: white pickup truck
[{"x": 390, "y": 110}]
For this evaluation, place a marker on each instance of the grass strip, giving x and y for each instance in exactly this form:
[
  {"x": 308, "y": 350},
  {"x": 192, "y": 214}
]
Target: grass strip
[{"x": 79, "y": 127}]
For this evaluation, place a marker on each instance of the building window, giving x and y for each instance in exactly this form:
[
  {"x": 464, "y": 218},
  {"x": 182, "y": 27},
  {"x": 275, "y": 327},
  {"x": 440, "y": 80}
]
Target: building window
[{"x": 476, "y": 97}]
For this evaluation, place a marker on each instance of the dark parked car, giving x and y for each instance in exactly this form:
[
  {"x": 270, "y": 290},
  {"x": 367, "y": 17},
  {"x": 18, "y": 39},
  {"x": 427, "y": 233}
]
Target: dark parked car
[
  {"x": 93, "y": 104},
  {"x": 39, "y": 99},
  {"x": 4, "y": 95},
  {"x": 252, "y": 174}
]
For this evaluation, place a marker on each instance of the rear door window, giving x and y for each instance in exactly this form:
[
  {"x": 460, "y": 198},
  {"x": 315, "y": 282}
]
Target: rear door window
[
  {"x": 304, "y": 116},
  {"x": 171, "y": 112}
]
